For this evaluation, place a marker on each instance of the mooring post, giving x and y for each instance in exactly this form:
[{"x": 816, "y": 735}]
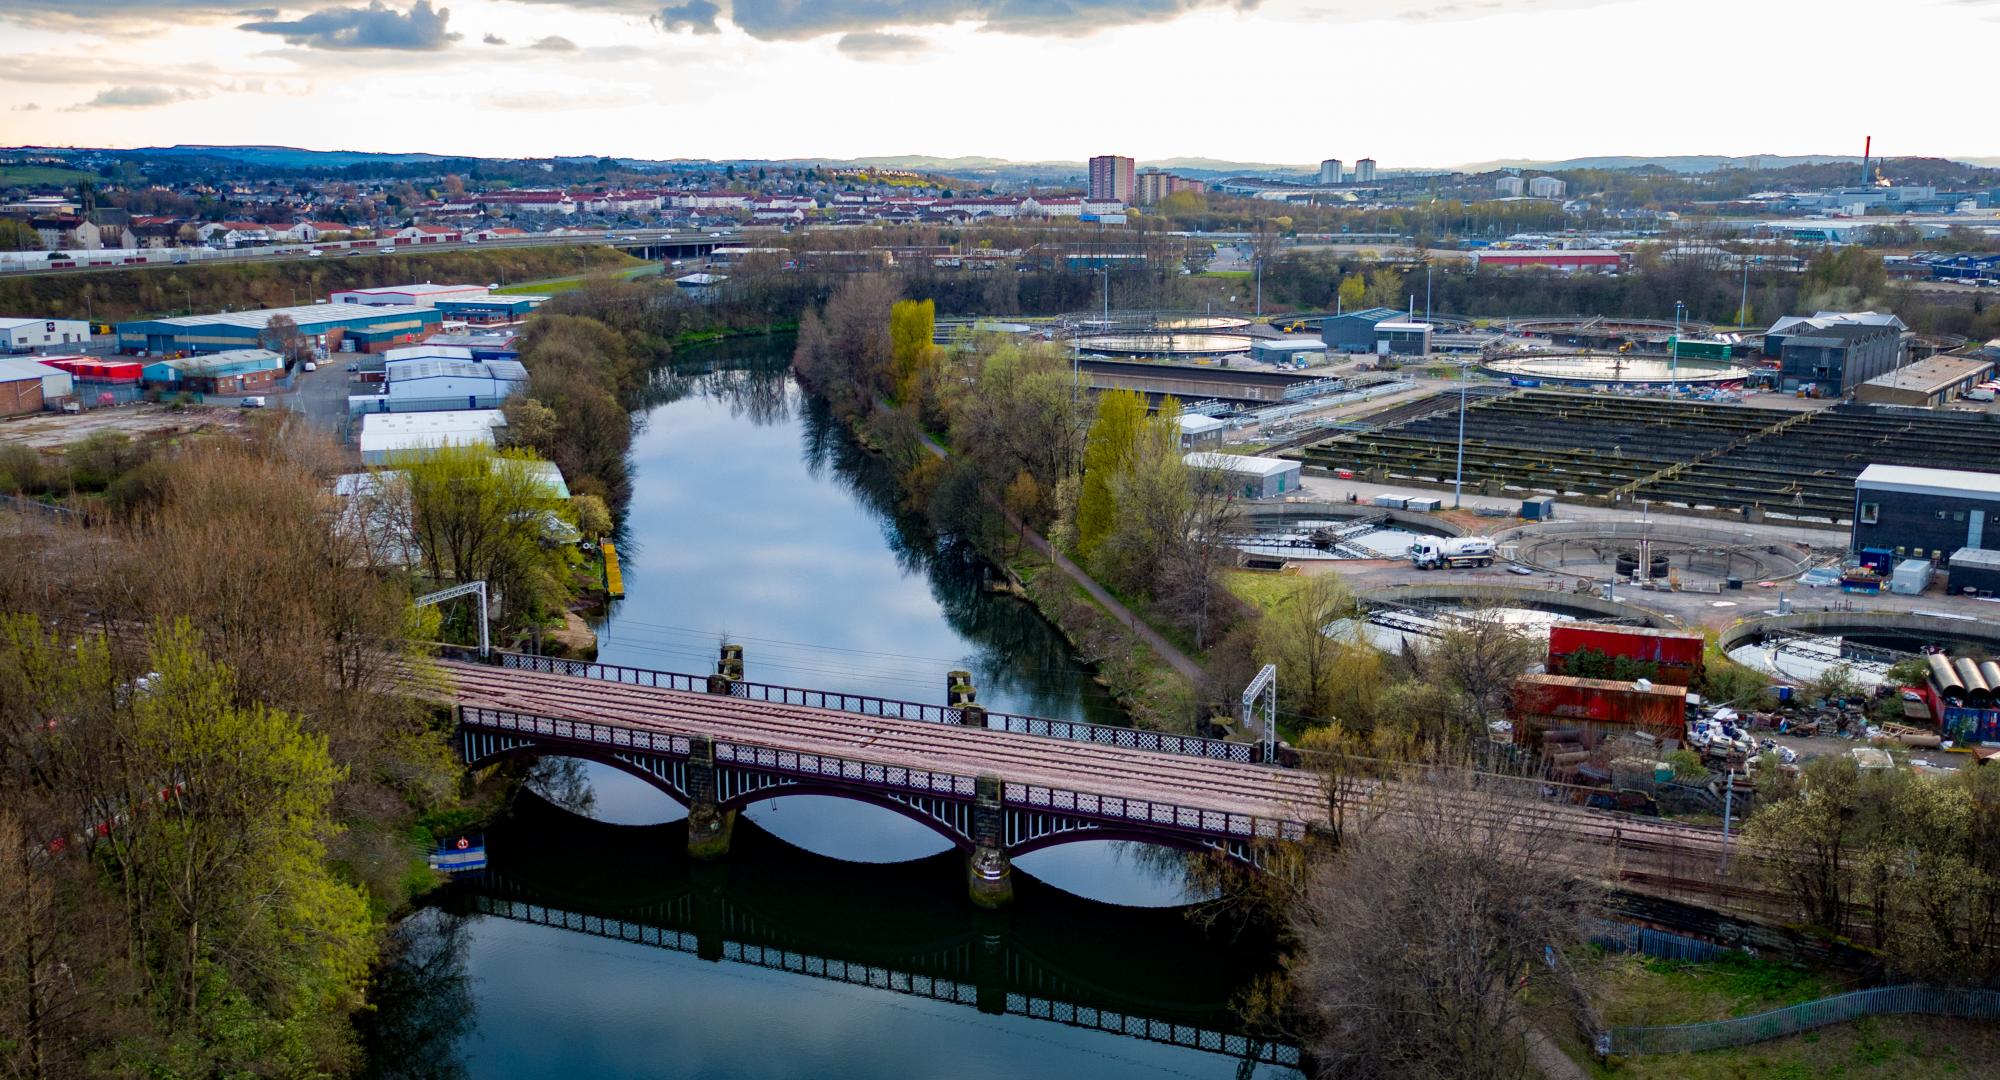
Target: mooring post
[
  {"x": 709, "y": 826},
  {"x": 960, "y": 694},
  {"x": 989, "y": 876},
  {"x": 728, "y": 670}
]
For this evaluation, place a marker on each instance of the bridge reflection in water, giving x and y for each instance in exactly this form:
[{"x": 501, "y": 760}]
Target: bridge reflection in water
[{"x": 1138, "y": 973}]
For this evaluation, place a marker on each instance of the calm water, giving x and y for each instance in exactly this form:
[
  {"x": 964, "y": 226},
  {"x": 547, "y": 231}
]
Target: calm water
[{"x": 835, "y": 939}]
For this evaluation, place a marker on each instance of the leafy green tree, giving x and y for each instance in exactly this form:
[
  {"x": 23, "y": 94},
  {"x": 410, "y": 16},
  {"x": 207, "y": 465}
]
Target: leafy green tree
[
  {"x": 478, "y": 515},
  {"x": 912, "y": 355},
  {"x": 1114, "y": 436},
  {"x": 1353, "y": 292}
]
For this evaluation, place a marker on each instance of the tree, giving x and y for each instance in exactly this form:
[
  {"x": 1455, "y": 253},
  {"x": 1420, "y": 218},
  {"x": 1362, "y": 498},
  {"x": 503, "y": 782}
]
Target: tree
[
  {"x": 1329, "y": 675},
  {"x": 17, "y": 235},
  {"x": 1422, "y": 935},
  {"x": 478, "y": 515},
  {"x": 1353, "y": 292},
  {"x": 912, "y": 356},
  {"x": 281, "y": 335},
  {"x": 1107, "y": 451},
  {"x": 1477, "y": 658},
  {"x": 1385, "y": 288}
]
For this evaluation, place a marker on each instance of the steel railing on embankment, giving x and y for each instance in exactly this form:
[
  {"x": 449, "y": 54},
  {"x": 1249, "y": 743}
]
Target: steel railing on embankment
[{"x": 1964, "y": 1003}]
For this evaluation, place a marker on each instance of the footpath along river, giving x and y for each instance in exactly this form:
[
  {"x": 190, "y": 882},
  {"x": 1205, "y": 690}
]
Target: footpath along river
[{"x": 835, "y": 938}]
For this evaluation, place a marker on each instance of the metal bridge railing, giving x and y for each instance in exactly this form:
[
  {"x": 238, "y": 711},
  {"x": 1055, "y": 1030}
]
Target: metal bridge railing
[
  {"x": 1971, "y": 1004},
  {"x": 1159, "y": 742}
]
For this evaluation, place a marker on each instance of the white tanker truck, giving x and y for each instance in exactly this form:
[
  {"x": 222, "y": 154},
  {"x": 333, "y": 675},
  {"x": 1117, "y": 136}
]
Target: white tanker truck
[{"x": 1436, "y": 553}]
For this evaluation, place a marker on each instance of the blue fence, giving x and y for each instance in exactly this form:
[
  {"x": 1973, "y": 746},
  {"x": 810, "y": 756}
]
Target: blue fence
[{"x": 1626, "y": 938}]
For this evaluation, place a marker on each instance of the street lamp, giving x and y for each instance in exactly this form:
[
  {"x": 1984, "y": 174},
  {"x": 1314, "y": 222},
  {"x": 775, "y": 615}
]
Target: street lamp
[{"x": 1674, "y": 359}]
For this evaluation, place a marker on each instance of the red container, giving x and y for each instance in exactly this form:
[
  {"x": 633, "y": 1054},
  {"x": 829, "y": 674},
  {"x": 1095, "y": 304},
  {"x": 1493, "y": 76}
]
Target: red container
[
  {"x": 1677, "y": 652},
  {"x": 1544, "y": 702},
  {"x": 92, "y": 369}
]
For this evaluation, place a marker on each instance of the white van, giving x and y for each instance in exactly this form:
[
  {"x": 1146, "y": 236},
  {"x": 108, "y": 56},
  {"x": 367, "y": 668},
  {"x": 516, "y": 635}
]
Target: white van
[
  {"x": 251, "y": 403},
  {"x": 1979, "y": 393}
]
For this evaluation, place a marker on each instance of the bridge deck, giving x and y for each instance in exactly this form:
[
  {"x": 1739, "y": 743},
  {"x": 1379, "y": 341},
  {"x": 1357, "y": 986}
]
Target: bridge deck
[{"x": 1262, "y": 791}]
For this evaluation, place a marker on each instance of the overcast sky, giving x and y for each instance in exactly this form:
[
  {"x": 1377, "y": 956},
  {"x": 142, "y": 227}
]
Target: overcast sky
[{"x": 1408, "y": 82}]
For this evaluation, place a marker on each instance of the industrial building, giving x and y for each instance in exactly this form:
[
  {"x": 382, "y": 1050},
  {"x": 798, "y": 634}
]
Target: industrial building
[
  {"x": 1111, "y": 178},
  {"x": 1288, "y": 351},
  {"x": 1926, "y": 383},
  {"x": 1201, "y": 432},
  {"x": 1974, "y": 570},
  {"x": 1833, "y": 353},
  {"x": 332, "y": 327},
  {"x": 1256, "y": 477},
  {"x": 387, "y": 436},
  {"x": 19, "y": 334},
  {"x": 480, "y": 344},
  {"x": 28, "y": 385},
  {"x": 444, "y": 384},
  {"x": 1925, "y": 513},
  {"x": 489, "y": 310},
  {"x": 236, "y": 371},
  {"x": 424, "y": 295},
  {"x": 1397, "y": 337},
  {"x": 1354, "y": 331}
]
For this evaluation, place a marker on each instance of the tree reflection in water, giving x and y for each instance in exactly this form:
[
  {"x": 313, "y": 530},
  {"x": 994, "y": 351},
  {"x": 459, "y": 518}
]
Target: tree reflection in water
[{"x": 422, "y": 1002}]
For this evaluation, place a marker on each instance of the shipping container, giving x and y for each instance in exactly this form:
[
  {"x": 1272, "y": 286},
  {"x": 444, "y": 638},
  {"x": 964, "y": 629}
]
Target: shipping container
[
  {"x": 1547, "y": 702},
  {"x": 1423, "y": 504},
  {"x": 1968, "y": 725},
  {"x": 1391, "y": 502},
  {"x": 1677, "y": 653},
  {"x": 1538, "y": 509}
]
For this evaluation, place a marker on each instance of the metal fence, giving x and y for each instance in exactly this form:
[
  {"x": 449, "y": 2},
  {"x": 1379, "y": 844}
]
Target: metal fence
[
  {"x": 1882, "y": 1001},
  {"x": 1626, "y": 938}
]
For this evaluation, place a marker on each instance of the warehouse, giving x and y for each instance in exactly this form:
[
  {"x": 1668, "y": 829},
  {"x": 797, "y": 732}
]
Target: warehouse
[
  {"x": 28, "y": 385},
  {"x": 1926, "y": 383},
  {"x": 332, "y": 327},
  {"x": 481, "y": 344},
  {"x": 237, "y": 371},
  {"x": 1256, "y": 477},
  {"x": 1288, "y": 351},
  {"x": 19, "y": 335},
  {"x": 386, "y": 436},
  {"x": 424, "y": 295},
  {"x": 1834, "y": 352},
  {"x": 1925, "y": 513},
  {"x": 1354, "y": 332},
  {"x": 442, "y": 385},
  {"x": 489, "y": 310}
]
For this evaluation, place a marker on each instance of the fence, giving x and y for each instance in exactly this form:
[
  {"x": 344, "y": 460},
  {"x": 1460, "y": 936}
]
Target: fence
[
  {"x": 1882, "y": 1001},
  {"x": 1624, "y": 937}
]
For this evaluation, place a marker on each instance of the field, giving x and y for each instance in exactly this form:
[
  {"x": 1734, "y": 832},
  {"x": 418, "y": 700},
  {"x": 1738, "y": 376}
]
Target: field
[
  {"x": 553, "y": 286},
  {"x": 37, "y": 175}
]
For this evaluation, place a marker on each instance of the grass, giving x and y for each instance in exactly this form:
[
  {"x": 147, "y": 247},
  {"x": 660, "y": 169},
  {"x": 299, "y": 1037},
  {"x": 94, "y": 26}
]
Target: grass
[
  {"x": 1635, "y": 990},
  {"x": 41, "y": 174},
  {"x": 552, "y": 286},
  {"x": 1226, "y": 273},
  {"x": 1261, "y": 591}
]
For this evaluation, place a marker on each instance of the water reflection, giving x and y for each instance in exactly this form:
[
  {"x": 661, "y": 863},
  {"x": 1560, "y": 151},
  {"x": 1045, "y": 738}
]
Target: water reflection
[
  {"x": 423, "y": 1002},
  {"x": 914, "y": 963}
]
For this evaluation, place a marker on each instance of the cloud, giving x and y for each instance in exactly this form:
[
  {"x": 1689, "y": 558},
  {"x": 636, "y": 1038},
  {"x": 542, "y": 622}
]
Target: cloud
[
  {"x": 136, "y": 97},
  {"x": 376, "y": 26},
  {"x": 494, "y": 39},
  {"x": 553, "y": 43},
  {"x": 28, "y": 107},
  {"x": 876, "y": 45},
  {"x": 694, "y": 16},
  {"x": 792, "y": 20},
  {"x": 258, "y": 13}
]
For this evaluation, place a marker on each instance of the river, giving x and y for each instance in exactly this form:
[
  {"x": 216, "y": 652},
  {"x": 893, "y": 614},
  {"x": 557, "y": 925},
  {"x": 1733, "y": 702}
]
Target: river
[{"x": 835, "y": 938}]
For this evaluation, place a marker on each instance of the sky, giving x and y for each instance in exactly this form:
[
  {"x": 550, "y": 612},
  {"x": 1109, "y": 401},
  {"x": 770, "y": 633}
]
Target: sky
[{"x": 1411, "y": 83}]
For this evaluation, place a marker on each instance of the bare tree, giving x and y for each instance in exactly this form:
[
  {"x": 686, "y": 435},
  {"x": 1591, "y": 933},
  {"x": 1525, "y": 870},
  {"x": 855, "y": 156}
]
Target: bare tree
[{"x": 1426, "y": 929}]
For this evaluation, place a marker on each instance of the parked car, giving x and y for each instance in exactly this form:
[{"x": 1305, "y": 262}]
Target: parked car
[
  {"x": 251, "y": 403},
  {"x": 310, "y": 366}
]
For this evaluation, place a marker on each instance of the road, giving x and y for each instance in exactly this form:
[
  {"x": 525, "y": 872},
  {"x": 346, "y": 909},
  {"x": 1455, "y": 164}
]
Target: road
[{"x": 321, "y": 396}]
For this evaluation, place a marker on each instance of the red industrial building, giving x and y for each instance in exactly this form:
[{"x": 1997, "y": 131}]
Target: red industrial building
[
  {"x": 1675, "y": 655},
  {"x": 1550, "y": 260}
]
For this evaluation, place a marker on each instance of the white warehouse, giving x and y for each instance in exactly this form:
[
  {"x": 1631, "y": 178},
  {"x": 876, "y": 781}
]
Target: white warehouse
[
  {"x": 19, "y": 334},
  {"x": 443, "y": 384},
  {"x": 424, "y": 295},
  {"x": 387, "y": 437}
]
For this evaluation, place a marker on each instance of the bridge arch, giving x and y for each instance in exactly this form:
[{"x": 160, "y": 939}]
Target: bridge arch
[{"x": 609, "y": 759}]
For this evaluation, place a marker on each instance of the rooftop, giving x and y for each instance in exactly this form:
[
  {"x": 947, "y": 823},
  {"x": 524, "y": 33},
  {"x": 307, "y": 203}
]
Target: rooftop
[
  {"x": 1920, "y": 481},
  {"x": 506, "y": 370},
  {"x": 1240, "y": 463},
  {"x": 1933, "y": 374},
  {"x": 304, "y": 315}
]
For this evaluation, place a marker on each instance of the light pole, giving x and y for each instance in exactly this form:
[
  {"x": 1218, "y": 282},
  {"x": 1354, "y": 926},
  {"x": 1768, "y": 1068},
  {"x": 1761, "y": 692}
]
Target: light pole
[{"x": 1674, "y": 358}]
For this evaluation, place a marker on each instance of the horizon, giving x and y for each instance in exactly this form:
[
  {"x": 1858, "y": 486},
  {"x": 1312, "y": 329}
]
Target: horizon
[{"x": 1527, "y": 80}]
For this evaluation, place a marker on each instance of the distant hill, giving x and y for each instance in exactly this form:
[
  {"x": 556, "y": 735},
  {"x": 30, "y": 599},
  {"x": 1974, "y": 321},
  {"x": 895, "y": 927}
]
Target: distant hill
[
  {"x": 1680, "y": 163},
  {"x": 284, "y": 156}
]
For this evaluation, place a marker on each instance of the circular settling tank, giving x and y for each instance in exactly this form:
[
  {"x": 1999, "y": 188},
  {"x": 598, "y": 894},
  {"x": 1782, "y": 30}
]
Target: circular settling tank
[
  {"x": 1159, "y": 343},
  {"x": 1610, "y": 369}
]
